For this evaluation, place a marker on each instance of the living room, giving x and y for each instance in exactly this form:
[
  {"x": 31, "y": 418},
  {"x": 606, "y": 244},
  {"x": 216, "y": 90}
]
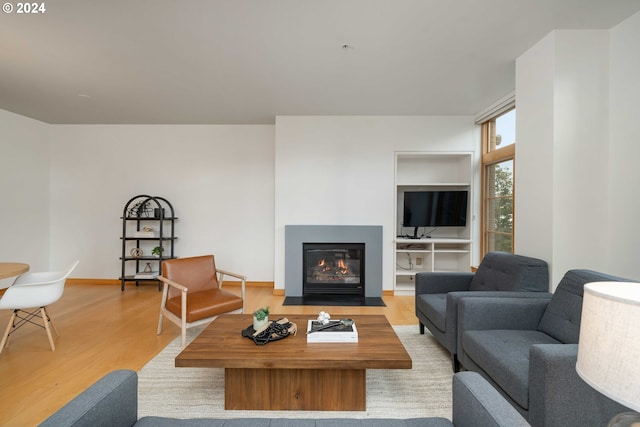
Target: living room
[
  {"x": 235, "y": 186},
  {"x": 74, "y": 179}
]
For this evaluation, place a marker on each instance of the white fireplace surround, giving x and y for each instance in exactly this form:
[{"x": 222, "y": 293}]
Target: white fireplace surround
[{"x": 296, "y": 235}]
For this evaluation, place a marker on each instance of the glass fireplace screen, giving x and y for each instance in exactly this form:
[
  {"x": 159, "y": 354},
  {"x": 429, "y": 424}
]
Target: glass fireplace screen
[{"x": 333, "y": 267}]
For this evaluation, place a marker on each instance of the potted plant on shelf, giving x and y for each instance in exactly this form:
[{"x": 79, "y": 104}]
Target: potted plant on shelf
[
  {"x": 157, "y": 251},
  {"x": 260, "y": 317}
]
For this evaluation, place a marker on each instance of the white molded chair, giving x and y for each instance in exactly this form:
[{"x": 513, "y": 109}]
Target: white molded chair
[{"x": 31, "y": 290}]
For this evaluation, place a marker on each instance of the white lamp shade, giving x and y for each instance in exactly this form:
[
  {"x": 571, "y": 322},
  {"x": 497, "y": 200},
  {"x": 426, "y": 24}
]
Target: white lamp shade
[{"x": 609, "y": 346}]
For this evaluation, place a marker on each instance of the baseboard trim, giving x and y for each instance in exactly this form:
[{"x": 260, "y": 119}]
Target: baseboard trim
[
  {"x": 81, "y": 281},
  {"x": 251, "y": 284},
  {"x": 116, "y": 282},
  {"x": 280, "y": 292},
  {"x": 87, "y": 281}
]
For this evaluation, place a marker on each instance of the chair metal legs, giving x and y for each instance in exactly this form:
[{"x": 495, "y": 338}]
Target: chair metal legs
[{"x": 23, "y": 317}]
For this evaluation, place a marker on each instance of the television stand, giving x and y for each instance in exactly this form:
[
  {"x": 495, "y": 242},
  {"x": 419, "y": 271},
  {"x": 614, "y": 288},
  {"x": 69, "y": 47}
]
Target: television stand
[
  {"x": 417, "y": 255},
  {"x": 447, "y": 248}
]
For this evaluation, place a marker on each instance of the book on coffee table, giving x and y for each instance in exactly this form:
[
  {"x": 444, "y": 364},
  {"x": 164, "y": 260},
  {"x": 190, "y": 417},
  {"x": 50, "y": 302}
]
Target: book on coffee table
[{"x": 319, "y": 333}]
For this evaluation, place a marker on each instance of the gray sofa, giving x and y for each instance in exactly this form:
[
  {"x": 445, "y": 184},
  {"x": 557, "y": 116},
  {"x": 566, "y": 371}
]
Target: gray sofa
[
  {"x": 113, "y": 402},
  {"x": 527, "y": 348},
  {"x": 500, "y": 274}
]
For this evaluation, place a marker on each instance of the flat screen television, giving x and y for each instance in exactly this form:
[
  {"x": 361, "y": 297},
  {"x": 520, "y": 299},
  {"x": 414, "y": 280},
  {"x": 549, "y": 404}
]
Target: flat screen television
[{"x": 435, "y": 209}]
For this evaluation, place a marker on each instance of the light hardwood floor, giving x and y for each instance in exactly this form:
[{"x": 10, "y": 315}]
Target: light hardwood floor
[{"x": 102, "y": 329}]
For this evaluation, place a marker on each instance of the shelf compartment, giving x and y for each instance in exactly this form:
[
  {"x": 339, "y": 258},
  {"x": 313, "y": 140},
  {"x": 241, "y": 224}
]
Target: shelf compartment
[
  {"x": 133, "y": 279},
  {"x": 408, "y": 272},
  {"x": 416, "y": 185},
  {"x": 147, "y": 258},
  {"x": 433, "y": 168},
  {"x": 149, "y": 238},
  {"x": 149, "y": 218}
]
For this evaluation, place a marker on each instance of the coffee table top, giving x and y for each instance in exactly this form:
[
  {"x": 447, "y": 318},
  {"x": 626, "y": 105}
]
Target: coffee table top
[{"x": 221, "y": 345}]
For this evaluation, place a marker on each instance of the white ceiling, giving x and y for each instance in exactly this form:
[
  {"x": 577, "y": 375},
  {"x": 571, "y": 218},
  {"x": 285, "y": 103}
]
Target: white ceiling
[{"x": 246, "y": 61}]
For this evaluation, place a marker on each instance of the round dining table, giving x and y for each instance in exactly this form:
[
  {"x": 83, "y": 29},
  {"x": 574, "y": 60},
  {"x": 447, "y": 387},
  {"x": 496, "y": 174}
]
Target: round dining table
[{"x": 10, "y": 269}]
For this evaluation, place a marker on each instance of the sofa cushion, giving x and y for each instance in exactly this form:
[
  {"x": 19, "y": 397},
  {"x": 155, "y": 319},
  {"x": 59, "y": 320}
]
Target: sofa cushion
[
  {"x": 504, "y": 356},
  {"x": 501, "y": 271},
  {"x": 562, "y": 317},
  {"x": 111, "y": 401},
  {"x": 216, "y": 422},
  {"x": 434, "y": 306},
  {"x": 292, "y": 422}
]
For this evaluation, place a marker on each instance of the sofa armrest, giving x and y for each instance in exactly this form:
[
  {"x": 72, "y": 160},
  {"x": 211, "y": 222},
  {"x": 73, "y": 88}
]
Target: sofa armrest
[
  {"x": 442, "y": 282},
  {"x": 558, "y": 396},
  {"x": 453, "y": 298},
  {"x": 500, "y": 313},
  {"x": 477, "y": 403},
  {"x": 110, "y": 402}
]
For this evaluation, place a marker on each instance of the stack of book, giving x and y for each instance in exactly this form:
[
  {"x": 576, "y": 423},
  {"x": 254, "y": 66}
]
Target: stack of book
[
  {"x": 146, "y": 275},
  {"x": 333, "y": 332}
]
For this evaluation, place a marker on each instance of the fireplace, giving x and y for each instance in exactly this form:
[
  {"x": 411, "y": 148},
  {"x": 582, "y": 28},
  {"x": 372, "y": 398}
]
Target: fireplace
[
  {"x": 333, "y": 269},
  {"x": 357, "y": 247}
]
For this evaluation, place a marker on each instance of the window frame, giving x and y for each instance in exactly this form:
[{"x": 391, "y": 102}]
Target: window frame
[{"x": 489, "y": 158}]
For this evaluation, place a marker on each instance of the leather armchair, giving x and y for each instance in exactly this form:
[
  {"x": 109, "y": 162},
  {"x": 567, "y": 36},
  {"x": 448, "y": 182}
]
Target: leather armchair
[{"x": 192, "y": 294}]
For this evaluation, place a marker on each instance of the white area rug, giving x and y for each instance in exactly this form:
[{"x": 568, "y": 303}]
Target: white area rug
[{"x": 423, "y": 391}]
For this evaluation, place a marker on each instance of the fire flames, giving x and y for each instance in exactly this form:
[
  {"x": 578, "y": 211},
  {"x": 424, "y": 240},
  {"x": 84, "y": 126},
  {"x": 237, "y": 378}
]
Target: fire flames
[
  {"x": 342, "y": 267},
  {"x": 326, "y": 269}
]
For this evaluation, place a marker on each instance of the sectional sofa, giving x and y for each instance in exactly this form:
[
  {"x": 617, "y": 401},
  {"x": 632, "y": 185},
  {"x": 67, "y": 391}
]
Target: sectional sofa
[{"x": 113, "y": 402}]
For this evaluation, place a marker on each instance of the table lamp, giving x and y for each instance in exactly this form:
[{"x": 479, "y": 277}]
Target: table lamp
[{"x": 609, "y": 345}]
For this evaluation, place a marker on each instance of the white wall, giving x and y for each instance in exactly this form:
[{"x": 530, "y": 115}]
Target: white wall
[
  {"x": 337, "y": 170},
  {"x": 218, "y": 178},
  {"x": 563, "y": 171},
  {"x": 533, "y": 232},
  {"x": 580, "y": 167},
  {"x": 624, "y": 154},
  {"x": 24, "y": 192}
]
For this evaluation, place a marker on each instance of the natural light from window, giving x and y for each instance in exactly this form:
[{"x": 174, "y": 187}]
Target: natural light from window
[{"x": 498, "y": 159}]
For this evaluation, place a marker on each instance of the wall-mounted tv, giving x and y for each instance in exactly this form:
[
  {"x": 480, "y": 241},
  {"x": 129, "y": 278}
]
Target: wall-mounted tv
[{"x": 435, "y": 209}]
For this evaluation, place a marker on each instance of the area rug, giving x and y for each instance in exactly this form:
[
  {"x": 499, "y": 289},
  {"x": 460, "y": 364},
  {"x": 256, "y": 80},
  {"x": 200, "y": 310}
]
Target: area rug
[{"x": 423, "y": 391}]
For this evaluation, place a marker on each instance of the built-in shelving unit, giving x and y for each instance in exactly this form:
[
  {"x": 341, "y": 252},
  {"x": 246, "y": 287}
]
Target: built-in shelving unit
[
  {"x": 439, "y": 249},
  {"x": 148, "y": 222}
]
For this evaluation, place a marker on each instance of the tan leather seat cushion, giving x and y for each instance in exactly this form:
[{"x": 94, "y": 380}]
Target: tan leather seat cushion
[{"x": 203, "y": 304}]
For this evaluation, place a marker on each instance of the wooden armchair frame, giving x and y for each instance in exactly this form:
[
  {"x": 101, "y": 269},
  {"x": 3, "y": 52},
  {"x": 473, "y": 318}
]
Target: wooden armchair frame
[{"x": 182, "y": 321}]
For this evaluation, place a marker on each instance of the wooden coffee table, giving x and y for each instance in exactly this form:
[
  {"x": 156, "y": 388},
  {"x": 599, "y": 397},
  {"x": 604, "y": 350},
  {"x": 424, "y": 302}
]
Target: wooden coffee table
[{"x": 290, "y": 374}]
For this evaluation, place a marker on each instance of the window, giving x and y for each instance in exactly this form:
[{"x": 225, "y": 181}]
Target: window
[{"x": 498, "y": 161}]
